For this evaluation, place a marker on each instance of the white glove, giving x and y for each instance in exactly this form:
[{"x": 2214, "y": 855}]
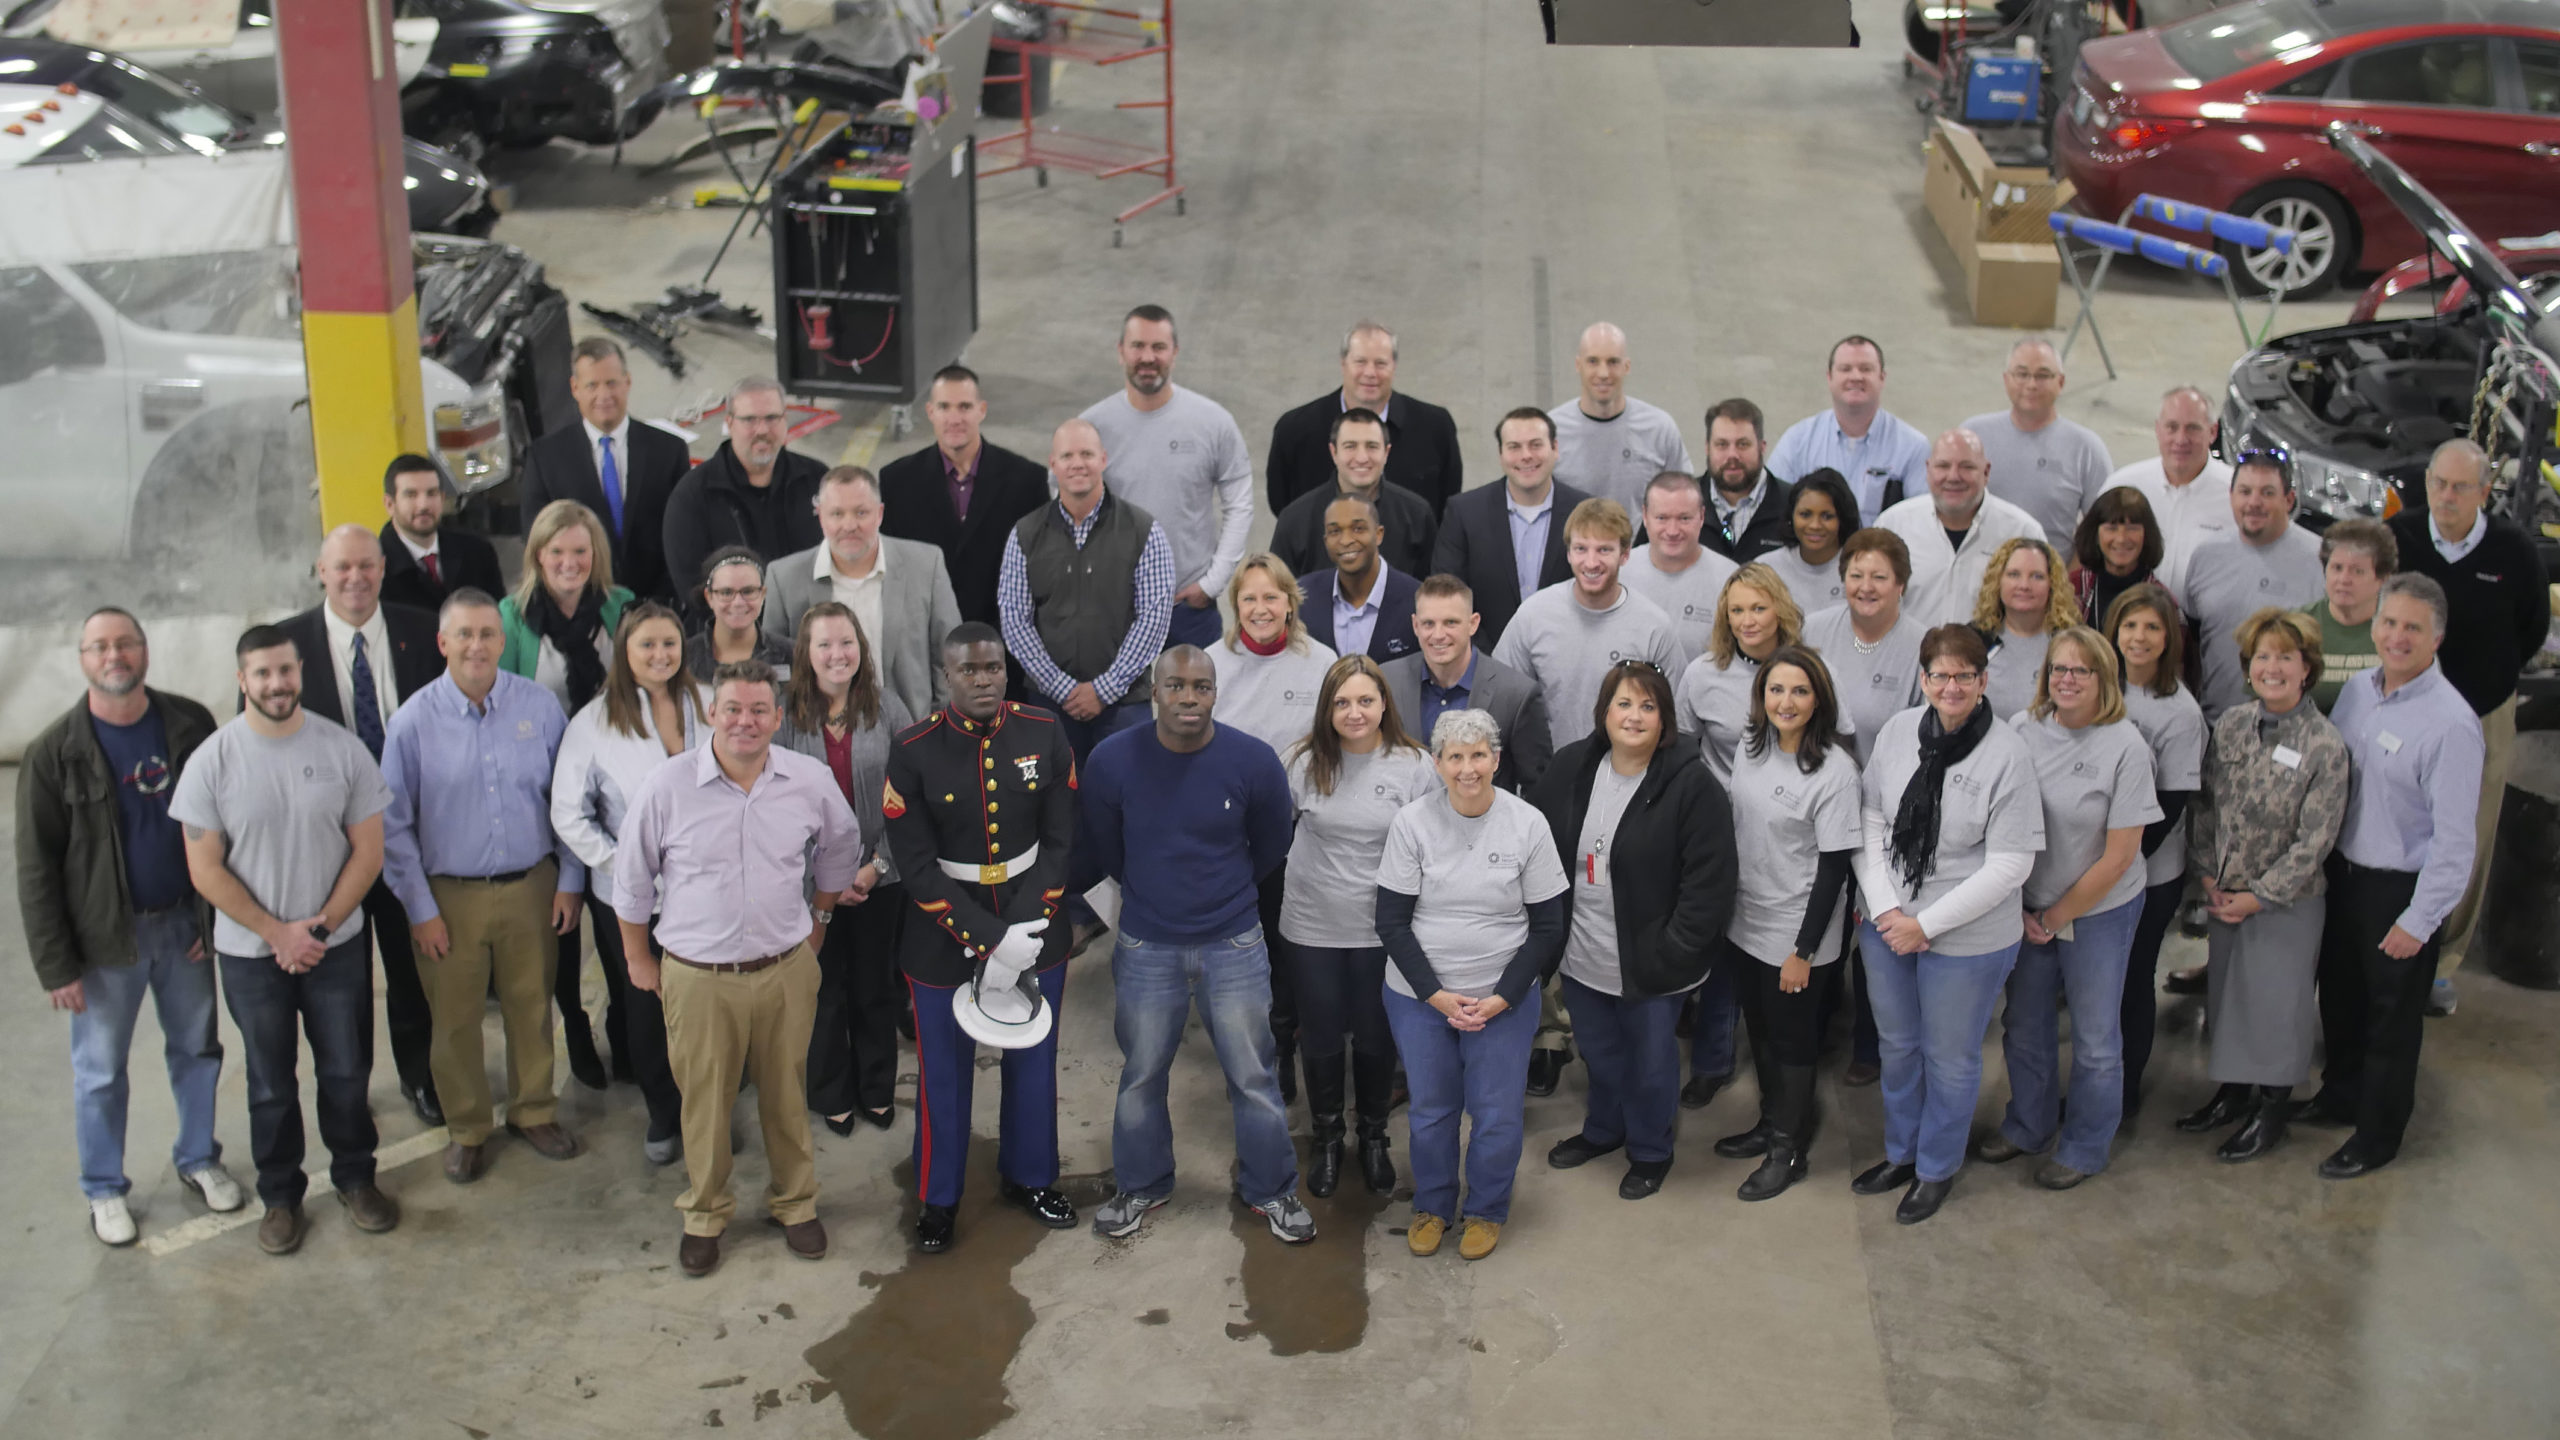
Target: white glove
[{"x": 1018, "y": 951}]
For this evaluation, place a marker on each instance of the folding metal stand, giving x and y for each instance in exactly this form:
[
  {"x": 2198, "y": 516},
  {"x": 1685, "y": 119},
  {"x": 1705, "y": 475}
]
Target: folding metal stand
[
  {"x": 2107, "y": 241},
  {"x": 1104, "y": 37}
]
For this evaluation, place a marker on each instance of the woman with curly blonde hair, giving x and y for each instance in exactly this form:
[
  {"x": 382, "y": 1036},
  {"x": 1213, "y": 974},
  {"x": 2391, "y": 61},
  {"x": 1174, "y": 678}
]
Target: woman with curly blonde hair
[{"x": 2024, "y": 602}]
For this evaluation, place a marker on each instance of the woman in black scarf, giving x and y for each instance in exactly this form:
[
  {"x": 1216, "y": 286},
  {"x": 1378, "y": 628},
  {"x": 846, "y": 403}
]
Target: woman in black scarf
[
  {"x": 559, "y": 624},
  {"x": 1954, "y": 822}
]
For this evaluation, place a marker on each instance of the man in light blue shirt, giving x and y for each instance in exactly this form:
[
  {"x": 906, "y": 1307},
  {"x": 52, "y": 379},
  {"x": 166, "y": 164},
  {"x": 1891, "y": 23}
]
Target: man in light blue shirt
[
  {"x": 1885, "y": 458},
  {"x": 469, "y": 849}
]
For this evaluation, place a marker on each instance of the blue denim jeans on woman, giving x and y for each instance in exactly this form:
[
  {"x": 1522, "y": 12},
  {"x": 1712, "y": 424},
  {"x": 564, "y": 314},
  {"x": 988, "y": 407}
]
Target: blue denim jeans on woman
[
  {"x": 1632, "y": 1049},
  {"x": 182, "y": 993},
  {"x": 1480, "y": 1075},
  {"x": 1154, "y": 986},
  {"x": 2089, "y": 968},
  {"x": 1931, "y": 1013}
]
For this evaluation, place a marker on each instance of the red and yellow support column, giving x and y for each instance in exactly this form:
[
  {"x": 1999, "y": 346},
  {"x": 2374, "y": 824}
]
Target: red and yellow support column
[{"x": 351, "y": 218}]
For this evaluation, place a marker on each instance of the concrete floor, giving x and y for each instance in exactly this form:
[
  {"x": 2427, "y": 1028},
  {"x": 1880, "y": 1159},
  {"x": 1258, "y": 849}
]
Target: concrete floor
[{"x": 1428, "y": 163}]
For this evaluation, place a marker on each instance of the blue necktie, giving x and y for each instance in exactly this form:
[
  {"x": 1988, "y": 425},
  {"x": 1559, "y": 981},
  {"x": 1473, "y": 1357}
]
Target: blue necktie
[
  {"x": 368, "y": 716},
  {"x": 611, "y": 474}
]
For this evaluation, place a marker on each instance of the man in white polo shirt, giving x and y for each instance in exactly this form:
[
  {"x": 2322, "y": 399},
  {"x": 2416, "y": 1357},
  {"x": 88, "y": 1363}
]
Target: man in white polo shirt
[{"x": 1952, "y": 530}]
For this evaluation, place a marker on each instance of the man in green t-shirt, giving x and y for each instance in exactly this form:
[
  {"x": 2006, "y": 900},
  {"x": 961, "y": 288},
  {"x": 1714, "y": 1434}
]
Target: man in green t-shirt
[{"x": 2356, "y": 556}]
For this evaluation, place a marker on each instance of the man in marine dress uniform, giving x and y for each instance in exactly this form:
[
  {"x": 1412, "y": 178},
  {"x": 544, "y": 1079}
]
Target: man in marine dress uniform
[{"x": 981, "y": 810}]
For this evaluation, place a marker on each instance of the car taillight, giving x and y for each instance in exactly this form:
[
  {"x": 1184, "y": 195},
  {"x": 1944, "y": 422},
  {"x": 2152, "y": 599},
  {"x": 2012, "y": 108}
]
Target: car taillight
[{"x": 2135, "y": 133}]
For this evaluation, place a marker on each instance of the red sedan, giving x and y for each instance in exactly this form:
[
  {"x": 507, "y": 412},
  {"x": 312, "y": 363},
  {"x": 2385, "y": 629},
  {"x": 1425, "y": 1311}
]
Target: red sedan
[{"x": 2227, "y": 109}]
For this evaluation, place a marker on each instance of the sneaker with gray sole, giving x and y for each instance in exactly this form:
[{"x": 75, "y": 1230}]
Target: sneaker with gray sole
[
  {"x": 1289, "y": 1219},
  {"x": 1122, "y": 1214},
  {"x": 215, "y": 1187}
]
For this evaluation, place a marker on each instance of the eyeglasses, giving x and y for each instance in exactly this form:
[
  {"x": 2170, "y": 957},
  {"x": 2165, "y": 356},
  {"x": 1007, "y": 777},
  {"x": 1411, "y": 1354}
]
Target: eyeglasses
[
  {"x": 737, "y": 419},
  {"x": 126, "y": 646},
  {"x": 2071, "y": 672},
  {"x": 747, "y": 594},
  {"x": 1958, "y": 677},
  {"x": 2041, "y": 377}
]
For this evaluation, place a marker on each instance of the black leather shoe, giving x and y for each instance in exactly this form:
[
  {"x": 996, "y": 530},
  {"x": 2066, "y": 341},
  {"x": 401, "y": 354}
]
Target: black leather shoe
[
  {"x": 422, "y": 1099},
  {"x": 2351, "y": 1161},
  {"x": 880, "y": 1119},
  {"x": 1700, "y": 1092},
  {"x": 1377, "y": 1159},
  {"x": 1642, "y": 1179},
  {"x": 2262, "y": 1133},
  {"x": 1784, "y": 1166},
  {"x": 933, "y": 1229},
  {"x": 2325, "y": 1111},
  {"x": 1754, "y": 1141},
  {"x": 2228, "y": 1105},
  {"x": 840, "y": 1126},
  {"x": 1573, "y": 1150},
  {"x": 1921, "y": 1201},
  {"x": 1546, "y": 1067},
  {"x": 1883, "y": 1176},
  {"x": 1044, "y": 1204}
]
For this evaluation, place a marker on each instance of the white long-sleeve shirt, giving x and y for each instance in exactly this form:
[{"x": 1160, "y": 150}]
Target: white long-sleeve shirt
[{"x": 598, "y": 770}]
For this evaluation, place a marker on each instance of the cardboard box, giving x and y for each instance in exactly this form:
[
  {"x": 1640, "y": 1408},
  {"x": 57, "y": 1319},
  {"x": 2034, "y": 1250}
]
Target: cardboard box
[{"x": 1993, "y": 218}]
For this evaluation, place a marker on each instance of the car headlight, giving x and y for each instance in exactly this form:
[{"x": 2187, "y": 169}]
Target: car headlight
[
  {"x": 472, "y": 439},
  {"x": 2340, "y": 491}
]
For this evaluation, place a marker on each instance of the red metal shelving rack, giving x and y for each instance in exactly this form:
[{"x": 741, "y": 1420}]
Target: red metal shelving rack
[{"x": 1100, "y": 36}]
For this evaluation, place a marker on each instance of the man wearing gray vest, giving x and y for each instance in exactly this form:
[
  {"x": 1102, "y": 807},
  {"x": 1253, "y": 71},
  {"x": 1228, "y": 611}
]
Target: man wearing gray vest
[{"x": 1086, "y": 593}]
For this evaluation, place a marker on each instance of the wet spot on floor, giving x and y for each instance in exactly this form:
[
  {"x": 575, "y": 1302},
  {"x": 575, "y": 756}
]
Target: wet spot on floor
[
  {"x": 722, "y": 1384},
  {"x": 767, "y": 1400},
  {"x": 1311, "y": 1298},
  {"x": 475, "y": 1434},
  {"x": 1156, "y": 1317},
  {"x": 926, "y": 1359},
  {"x": 786, "y": 1312},
  {"x": 712, "y": 1421}
]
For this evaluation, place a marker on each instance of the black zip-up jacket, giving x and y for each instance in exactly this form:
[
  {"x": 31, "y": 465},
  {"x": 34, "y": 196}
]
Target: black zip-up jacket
[
  {"x": 72, "y": 891},
  {"x": 713, "y": 505},
  {"x": 1671, "y": 861}
]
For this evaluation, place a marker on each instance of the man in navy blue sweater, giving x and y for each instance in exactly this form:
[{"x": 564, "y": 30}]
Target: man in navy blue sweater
[{"x": 1212, "y": 817}]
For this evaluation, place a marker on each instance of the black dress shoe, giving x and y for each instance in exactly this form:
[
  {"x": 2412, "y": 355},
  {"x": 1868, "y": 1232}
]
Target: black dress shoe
[
  {"x": 1784, "y": 1166},
  {"x": 880, "y": 1119},
  {"x": 2261, "y": 1134},
  {"x": 839, "y": 1127},
  {"x": 1044, "y": 1204},
  {"x": 1643, "y": 1177},
  {"x": 1545, "y": 1068},
  {"x": 1754, "y": 1141},
  {"x": 1573, "y": 1150},
  {"x": 1700, "y": 1092},
  {"x": 1921, "y": 1201},
  {"x": 422, "y": 1099},
  {"x": 933, "y": 1229},
  {"x": 1882, "y": 1176},
  {"x": 2229, "y": 1104},
  {"x": 2325, "y": 1111},
  {"x": 2351, "y": 1161}
]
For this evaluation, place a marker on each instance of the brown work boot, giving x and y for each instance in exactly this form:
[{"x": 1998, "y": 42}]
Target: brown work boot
[
  {"x": 547, "y": 1139},
  {"x": 465, "y": 1163},
  {"x": 808, "y": 1239},
  {"x": 281, "y": 1232},
  {"x": 369, "y": 1210},
  {"x": 699, "y": 1255}
]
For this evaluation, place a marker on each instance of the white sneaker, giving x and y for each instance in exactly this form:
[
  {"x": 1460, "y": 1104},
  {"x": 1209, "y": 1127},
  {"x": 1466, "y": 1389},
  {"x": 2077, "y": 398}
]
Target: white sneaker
[
  {"x": 215, "y": 1187},
  {"x": 112, "y": 1222}
]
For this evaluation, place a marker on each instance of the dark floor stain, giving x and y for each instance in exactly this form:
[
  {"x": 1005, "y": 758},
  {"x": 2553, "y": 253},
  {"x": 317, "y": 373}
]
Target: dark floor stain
[
  {"x": 720, "y": 1331},
  {"x": 430, "y": 1222},
  {"x": 1476, "y": 1345},
  {"x": 926, "y": 1359},
  {"x": 722, "y": 1384},
  {"x": 786, "y": 1312},
  {"x": 767, "y": 1400},
  {"x": 468, "y": 1430},
  {"x": 712, "y": 1421},
  {"x": 814, "y": 1391},
  {"x": 1311, "y": 1298},
  {"x": 1156, "y": 1317}
]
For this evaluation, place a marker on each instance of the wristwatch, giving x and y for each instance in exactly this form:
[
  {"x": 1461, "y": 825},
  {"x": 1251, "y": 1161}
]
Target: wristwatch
[{"x": 823, "y": 917}]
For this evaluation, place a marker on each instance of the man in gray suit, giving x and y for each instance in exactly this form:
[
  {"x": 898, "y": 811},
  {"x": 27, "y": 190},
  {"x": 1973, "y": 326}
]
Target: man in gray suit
[
  {"x": 899, "y": 589},
  {"x": 1452, "y": 674}
]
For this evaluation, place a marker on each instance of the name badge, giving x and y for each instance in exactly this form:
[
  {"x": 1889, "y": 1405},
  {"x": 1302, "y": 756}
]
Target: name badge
[
  {"x": 2288, "y": 757},
  {"x": 2389, "y": 742}
]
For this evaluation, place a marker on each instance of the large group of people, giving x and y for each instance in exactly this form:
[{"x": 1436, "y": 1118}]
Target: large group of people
[{"x": 1446, "y": 789}]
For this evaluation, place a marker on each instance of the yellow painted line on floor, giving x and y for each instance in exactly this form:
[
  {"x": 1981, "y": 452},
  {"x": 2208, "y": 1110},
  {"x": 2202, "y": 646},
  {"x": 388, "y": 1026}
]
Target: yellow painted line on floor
[
  {"x": 865, "y": 440},
  {"x": 205, "y": 1227}
]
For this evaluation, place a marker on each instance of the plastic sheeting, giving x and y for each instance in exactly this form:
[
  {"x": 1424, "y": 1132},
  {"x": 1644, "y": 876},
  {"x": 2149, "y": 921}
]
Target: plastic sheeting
[{"x": 139, "y": 209}]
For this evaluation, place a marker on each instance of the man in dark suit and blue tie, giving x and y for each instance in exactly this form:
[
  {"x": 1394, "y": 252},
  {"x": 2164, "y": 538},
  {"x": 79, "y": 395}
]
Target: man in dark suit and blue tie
[
  {"x": 622, "y": 470},
  {"x": 1362, "y": 606}
]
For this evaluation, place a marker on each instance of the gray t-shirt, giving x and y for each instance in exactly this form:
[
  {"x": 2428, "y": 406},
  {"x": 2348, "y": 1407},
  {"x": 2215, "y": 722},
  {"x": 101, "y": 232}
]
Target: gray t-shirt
[
  {"x": 2010, "y": 683},
  {"x": 1184, "y": 463},
  {"x": 282, "y": 807},
  {"x": 1813, "y": 587},
  {"x": 1269, "y": 697},
  {"x": 1616, "y": 459},
  {"x": 2174, "y": 729},
  {"x": 1875, "y": 683},
  {"x": 1990, "y": 803},
  {"x": 1333, "y": 862},
  {"x": 2093, "y": 780},
  {"x": 2052, "y": 473},
  {"x": 1567, "y": 648},
  {"x": 2228, "y": 581},
  {"x": 1591, "y": 946},
  {"x": 1715, "y": 706},
  {"x": 1688, "y": 597},
  {"x": 1475, "y": 880},
  {"x": 1783, "y": 821}
]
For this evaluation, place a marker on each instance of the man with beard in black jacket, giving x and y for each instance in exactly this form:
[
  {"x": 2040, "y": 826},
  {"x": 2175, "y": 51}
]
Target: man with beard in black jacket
[{"x": 752, "y": 491}]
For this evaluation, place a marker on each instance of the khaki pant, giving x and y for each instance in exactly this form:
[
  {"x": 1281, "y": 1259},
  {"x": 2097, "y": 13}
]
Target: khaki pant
[
  {"x": 722, "y": 1022},
  {"x": 2498, "y": 730},
  {"x": 500, "y": 931}
]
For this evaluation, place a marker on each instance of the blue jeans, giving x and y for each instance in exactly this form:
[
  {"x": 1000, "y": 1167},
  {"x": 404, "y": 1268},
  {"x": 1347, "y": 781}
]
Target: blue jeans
[
  {"x": 1931, "y": 1012},
  {"x": 333, "y": 1003},
  {"x": 1154, "y": 985},
  {"x": 1479, "y": 1073},
  {"x": 1200, "y": 627},
  {"x": 182, "y": 992},
  {"x": 1632, "y": 1049},
  {"x": 1711, "y": 1035},
  {"x": 2089, "y": 968}
]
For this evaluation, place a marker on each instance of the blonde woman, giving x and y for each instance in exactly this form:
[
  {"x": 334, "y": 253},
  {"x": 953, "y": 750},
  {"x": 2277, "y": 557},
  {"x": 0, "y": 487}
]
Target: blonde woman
[
  {"x": 1755, "y": 617},
  {"x": 2024, "y": 602}
]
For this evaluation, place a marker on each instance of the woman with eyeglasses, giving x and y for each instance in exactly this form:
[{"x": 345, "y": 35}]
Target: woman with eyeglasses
[
  {"x": 835, "y": 709},
  {"x": 733, "y": 588},
  {"x": 2083, "y": 901},
  {"x": 2275, "y": 795},
  {"x": 2143, "y": 622},
  {"x": 1797, "y": 826},
  {"x": 1348, "y": 776},
  {"x": 2024, "y": 602},
  {"x": 2118, "y": 546},
  {"x": 1954, "y": 822},
  {"x": 1649, "y": 841},
  {"x": 1824, "y": 511}
]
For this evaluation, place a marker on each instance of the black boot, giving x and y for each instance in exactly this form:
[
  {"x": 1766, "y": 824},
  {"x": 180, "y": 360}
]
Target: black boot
[
  {"x": 1754, "y": 1141},
  {"x": 1784, "y": 1166},
  {"x": 2263, "y": 1131},
  {"x": 1324, "y": 1105},
  {"x": 2230, "y": 1103},
  {"x": 1373, "y": 1094}
]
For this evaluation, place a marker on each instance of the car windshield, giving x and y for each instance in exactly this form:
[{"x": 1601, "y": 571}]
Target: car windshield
[
  {"x": 2223, "y": 42},
  {"x": 244, "y": 293},
  {"x": 153, "y": 99}
]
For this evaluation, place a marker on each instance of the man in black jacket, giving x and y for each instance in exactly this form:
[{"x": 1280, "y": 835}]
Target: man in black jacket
[
  {"x": 1360, "y": 456},
  {"x": 422, "y": 562},
  {"x": 1507, "y": 541},
  {"x": 752, "y": 491},
  {"x": 1751, "y": 513},
  {"x": 2491, "y": 571},
  {"x": 961, "y": 493},
  {"x": 360, "y": 660},
  {"x": 1423, "y": 438},
  {"x": 622, "y": 470}
]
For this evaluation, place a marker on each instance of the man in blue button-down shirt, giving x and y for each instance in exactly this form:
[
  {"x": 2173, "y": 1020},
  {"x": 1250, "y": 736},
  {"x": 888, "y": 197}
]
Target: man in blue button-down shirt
[{"x": 470, "y": 851}]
